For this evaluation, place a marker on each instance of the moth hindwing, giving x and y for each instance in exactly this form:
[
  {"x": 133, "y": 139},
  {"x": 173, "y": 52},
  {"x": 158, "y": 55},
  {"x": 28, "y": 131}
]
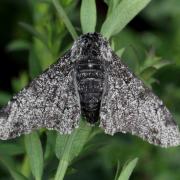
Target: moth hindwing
[{"x": 90, "y": 80}]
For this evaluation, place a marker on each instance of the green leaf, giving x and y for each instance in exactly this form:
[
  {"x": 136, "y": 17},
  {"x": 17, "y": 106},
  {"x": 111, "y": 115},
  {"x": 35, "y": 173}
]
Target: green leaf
[
  {"x": 117, "y": 171},
  {"x": 64, "y": 17},
  {"x": 69, "y": 146},
  {"x": 34, "y": 32},
  {"x": 10, "y": 165},
  {"x": 34, "y": 64},
  {"x": 25, "y": 166},
  {"x": 11, "y": 149},
  {"x": 121, "y": 16},
  {"x": 35, "y": 154},
  {"x": 120, "y": 52},
  {"x": 152, "y": 63},
  {"x": 88, "y": 16},
  {"x": 18, "y": 45},
  {"x": 113, "y": 44},
  {"x": 112, "y": 4},
  {"x": 162, "y": 64},
  {"x": 128, "y": 169},
  {"x": 19, "y": 83},
  {"x": 4, "y": 97},
  {"x": 66, "y": 2},
  {"x": 148, "y": 73},
  {"x": 50, "y": 144}
]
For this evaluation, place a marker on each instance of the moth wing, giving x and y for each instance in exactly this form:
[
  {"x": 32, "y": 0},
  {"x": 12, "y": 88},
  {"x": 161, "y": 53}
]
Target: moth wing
[
  {"x": 128, "y": 106},
  {"x": 51, "y": 101}
]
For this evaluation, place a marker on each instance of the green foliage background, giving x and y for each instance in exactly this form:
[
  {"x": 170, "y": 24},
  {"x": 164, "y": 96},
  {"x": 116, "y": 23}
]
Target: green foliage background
[{"x": 40, "y": 32}]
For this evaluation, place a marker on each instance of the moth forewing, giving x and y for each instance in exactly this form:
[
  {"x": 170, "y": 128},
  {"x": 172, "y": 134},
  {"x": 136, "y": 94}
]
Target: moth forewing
[
  {"x": 90, "y": 80},
  {"x": 128, "y": 106}
]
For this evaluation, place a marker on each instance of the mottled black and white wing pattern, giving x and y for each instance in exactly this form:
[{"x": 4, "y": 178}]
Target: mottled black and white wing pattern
[
  {"x": 51, "y": 101},
  {"x": 90, "y": 79},
  {"x": 128, "y": 106}
]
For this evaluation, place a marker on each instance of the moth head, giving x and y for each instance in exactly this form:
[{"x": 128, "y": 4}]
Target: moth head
[{"x": 92, "y": 45}]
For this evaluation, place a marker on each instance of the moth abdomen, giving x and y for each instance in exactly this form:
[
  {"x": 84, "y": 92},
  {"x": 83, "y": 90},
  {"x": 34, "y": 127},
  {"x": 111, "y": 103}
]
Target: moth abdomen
[{"x": 90, "y": 79}]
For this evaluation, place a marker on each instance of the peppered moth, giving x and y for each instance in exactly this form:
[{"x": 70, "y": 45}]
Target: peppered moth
[{"x": 89, "y": 80}]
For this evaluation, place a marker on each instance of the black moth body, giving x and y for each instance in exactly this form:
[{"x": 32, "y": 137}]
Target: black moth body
[{"x": 89, "y": 80}]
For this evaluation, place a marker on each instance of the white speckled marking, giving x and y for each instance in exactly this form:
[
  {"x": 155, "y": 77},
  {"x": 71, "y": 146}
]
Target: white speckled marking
[{"x": 52, "y": 100}]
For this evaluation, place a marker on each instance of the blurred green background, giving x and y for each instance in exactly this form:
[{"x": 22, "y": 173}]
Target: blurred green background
[{"x": 153, "y": 35}]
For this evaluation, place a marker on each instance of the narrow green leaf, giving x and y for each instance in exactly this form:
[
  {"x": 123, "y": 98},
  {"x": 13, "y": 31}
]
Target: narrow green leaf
[
  {"x": 11, "y": 149},
  {"x": 121, "y": 15},
  {"x": 34, "y": 64},
  {"x": 112, "y": 4},
  {"x": 148, "y": 73},
  {"x": 35, "y": 154},
  {"x": 128, "y": 169},
  {"x": 50, "y": 144},
  {"x": 66, "y": 2},
  {"x": 25, "y": 167},
  {"x": 21, "y": 82},
  {"x": 150, "y": 81},
  {"x": 18, "y": 45},
  {"x": 34, "y": 32},
  {"x": 117, "y": 171},
  {"x": 10, "y": 165},
  {"x": 162, "y": 64},
  {"x": 69, "y": 146},
  {"x": 4, "y": 97},
  {"x": 64, "y": 17},
  {"x": 120, "y": 52},
  {"x": 88, "y": 16},
  {"x": 153, "y": 61}
]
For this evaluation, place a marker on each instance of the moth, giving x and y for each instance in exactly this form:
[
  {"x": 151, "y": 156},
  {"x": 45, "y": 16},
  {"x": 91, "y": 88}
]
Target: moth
[{"x": 89, "y": 80}]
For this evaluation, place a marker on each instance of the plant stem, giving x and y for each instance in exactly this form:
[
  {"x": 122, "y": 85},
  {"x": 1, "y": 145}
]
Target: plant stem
[{"x": 63, "y": 165}]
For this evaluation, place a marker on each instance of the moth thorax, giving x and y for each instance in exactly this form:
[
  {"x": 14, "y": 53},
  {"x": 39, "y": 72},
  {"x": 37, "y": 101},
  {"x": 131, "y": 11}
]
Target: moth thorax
[{"x": 90, "y": 80}]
